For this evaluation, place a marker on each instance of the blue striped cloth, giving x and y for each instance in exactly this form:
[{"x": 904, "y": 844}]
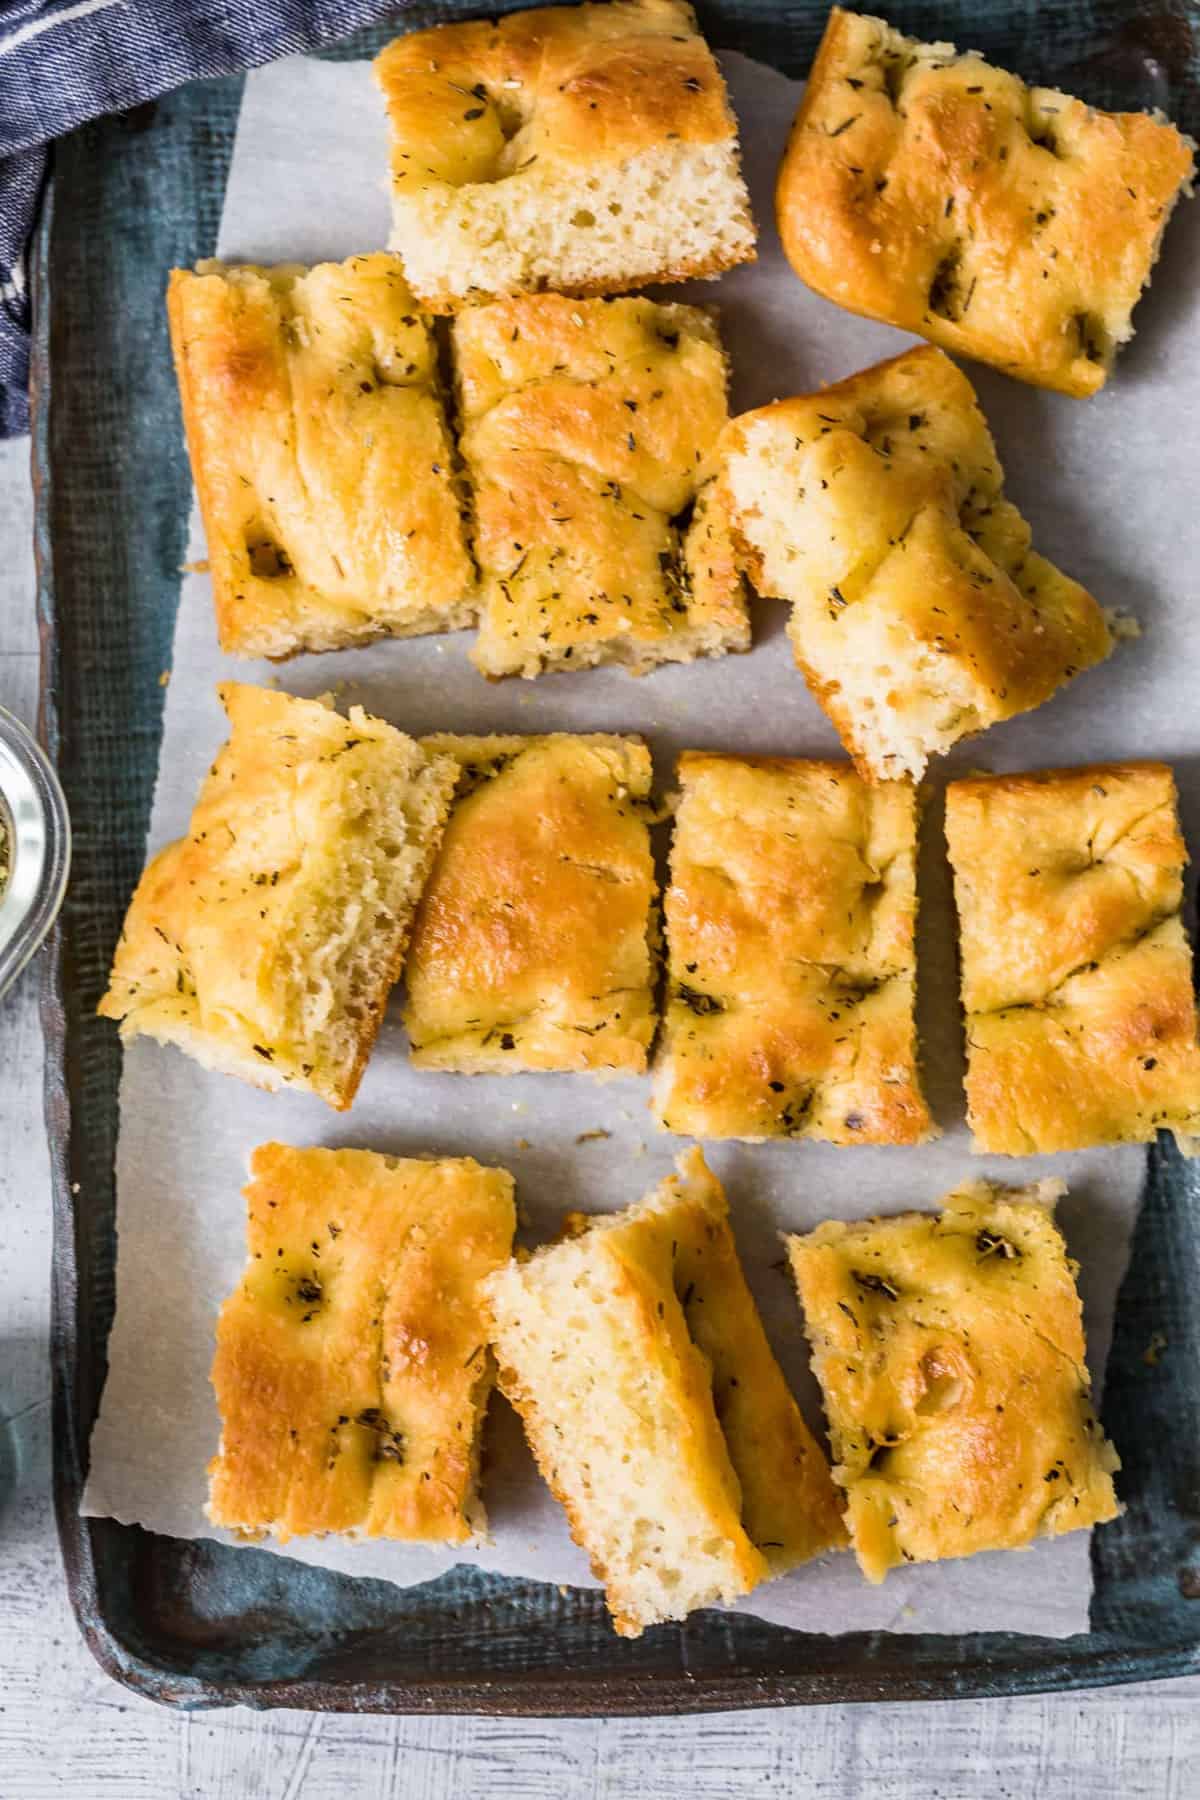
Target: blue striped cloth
[{"x": 61, "y": 65}]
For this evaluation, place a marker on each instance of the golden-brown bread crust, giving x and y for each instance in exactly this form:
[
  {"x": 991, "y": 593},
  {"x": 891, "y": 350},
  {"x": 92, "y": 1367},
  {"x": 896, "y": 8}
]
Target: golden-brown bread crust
[
  {"x": 605, "y": 81},
  {"x": 320, "y": 454},
  {"x": 740, "y": 1450},
  {"x": 790, "y": 923},
  {"x": 639, "y": 1283},
  {"x": 227, "y": 946},
  {"x": 534, "y": 945},
  {"x": 920, "y": 613},
  {"x": 351, "y": 1367},
  {"x": 790, "y": 1508},
  {"x": 950, "y": 1352},
  {"x": 1076, "y": 971},
  {"x": 589, "y": 427},
  {"x": 939, "y": 194},
  {"x": 538, "y": 104}
]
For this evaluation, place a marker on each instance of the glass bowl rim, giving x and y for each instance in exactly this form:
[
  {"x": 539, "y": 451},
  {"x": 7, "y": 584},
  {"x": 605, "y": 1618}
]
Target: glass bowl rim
[{"x": 34, "y": 813}]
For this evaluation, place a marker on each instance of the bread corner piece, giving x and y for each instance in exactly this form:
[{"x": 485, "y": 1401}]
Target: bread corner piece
[
  {"x": 589, "y": 429},
  {"x": 925, "y": 188},
  {"x": 352, "y": 1370},
  {"x": 265, "y": 942},
  {"x": 323, "y": 464},
  {"x": 790, "y": 920},
  {"x": 586, "y": 149},
  {"x": 950, "y": 1352},
  {"x": 536, "y": 942},
  {"x": 658, "y": 1415},
  {"x": 1076, "y": 970},
  {"x": 920, "y": 612}
]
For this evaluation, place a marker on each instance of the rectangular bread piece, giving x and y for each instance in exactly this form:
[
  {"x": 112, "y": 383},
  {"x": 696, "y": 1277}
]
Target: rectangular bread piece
[
  {"x": 535, "y": 946},
  {"x": 790, "y": 922},
  {"x": 1013, "y": 224},
  {"x": 920, "y": 613},
  {"x": 1076, "y": 970},
  {"x": 589, "y": 430},
  {"x": 588, "y": 149},
  {"x": 656, "y": 1410},
  {"x": 317, "y": 431},
  {"x": 950, "y": 1352},
  {"x": 352, "y": 1370},
  {"x": 266, "y": 941}
]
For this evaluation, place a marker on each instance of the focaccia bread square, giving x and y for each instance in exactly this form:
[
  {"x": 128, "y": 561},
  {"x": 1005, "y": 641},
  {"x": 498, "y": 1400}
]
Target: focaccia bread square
[
  {"x": 950, "y": 1352},
  {"x": 266, "y": 941},
  {"x": 658, "y": 1415},
  {"x": 535, "y": 945},
  {"x": 790, "y": 921},
  {"x": 587, "y": 149},
  {"x": 1076, "y": 969},
  {"x": 589, "y": 429},
  {"x": 323, "y": 465},
  {"x": 352, "y": 1370},
  {"x": 932, "y": 191},
  {"x": 920, "y": 613}
]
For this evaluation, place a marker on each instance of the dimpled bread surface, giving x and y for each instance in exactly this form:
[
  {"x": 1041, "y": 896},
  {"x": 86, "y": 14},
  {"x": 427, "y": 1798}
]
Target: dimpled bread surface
[
  {"x": 1015, "y": 224},
  {"x": 950, "y": 1352},
  {"x": 1077, "y": 978},
  {"x": 589, "y": 433},
  {"x": 352, "y": 1369},
  {"x": 790, "y": 920},
  {"x": 586, "y": 149},
  {"x": 319, "y": 446}
]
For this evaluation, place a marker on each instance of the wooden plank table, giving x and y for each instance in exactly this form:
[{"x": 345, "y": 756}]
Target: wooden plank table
[{"x": 66, "y": 1730}]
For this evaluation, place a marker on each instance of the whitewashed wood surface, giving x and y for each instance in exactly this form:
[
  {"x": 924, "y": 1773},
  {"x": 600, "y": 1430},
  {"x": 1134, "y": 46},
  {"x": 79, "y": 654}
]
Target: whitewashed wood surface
[{"x": 66, "y": 1730}]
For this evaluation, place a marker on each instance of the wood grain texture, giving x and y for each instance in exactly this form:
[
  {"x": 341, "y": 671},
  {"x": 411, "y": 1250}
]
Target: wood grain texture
[{"x": 66, "y": 1731}]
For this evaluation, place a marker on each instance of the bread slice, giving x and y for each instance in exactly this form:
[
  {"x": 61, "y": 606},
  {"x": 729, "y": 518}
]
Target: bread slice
[
  {"x": 950, "y": 1352},
  {"x": 589, "y": 430},
  {"x": 656, "y": 1410},
  {"x": 536, "y": 942},
  {"x": 351, "y": 1367},
  {"x": 928, "y": 189},
  {"x": 587, "y": 149},
  {"x": 1077, "y": 977},
  {"x": 323, "y": 464},
  {"x": 791, "y": 916},
  {"x": 920, "y": 613},
  {"x": 266, "y": 941}
]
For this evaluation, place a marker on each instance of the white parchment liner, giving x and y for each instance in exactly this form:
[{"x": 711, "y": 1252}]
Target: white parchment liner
[{"x": 1108, "y": 486}]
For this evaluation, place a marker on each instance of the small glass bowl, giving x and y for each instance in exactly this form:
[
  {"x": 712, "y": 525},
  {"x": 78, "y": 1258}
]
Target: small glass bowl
[{"x": 38, "y": 829}]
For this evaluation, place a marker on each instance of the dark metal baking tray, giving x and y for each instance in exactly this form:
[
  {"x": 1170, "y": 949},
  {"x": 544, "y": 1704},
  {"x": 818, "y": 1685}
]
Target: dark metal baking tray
[{"x": 195, "y": 1623}]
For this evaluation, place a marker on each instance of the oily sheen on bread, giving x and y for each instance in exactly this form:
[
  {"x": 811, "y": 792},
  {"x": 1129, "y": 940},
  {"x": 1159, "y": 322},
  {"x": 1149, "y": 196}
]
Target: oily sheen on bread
[
  {"x": 1076, "y": 969},
  {"x": 790, "y": 921},
  {"x": 589, "y": 432},
  {"x": 1015, "y": 224},
  {"x": 585, "y": 149},
  {"x": 351, "y": 1369},
  {"x": 317, "y": 432},
  {"x": 535, "y": 945},
  {"x": 949, "y": 1348}
]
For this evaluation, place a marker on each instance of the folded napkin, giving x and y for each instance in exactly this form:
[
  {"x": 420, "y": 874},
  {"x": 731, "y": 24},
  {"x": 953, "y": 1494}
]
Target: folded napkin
[{"x": 61, "y": 65}]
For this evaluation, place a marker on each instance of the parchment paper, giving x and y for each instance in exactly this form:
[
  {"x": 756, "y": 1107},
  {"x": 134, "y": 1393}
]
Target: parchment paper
[{"x": 1107, "y": 484}]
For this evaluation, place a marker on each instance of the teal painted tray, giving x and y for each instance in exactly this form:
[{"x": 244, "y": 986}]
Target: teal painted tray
[{"x": 197, "y": 1624}]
